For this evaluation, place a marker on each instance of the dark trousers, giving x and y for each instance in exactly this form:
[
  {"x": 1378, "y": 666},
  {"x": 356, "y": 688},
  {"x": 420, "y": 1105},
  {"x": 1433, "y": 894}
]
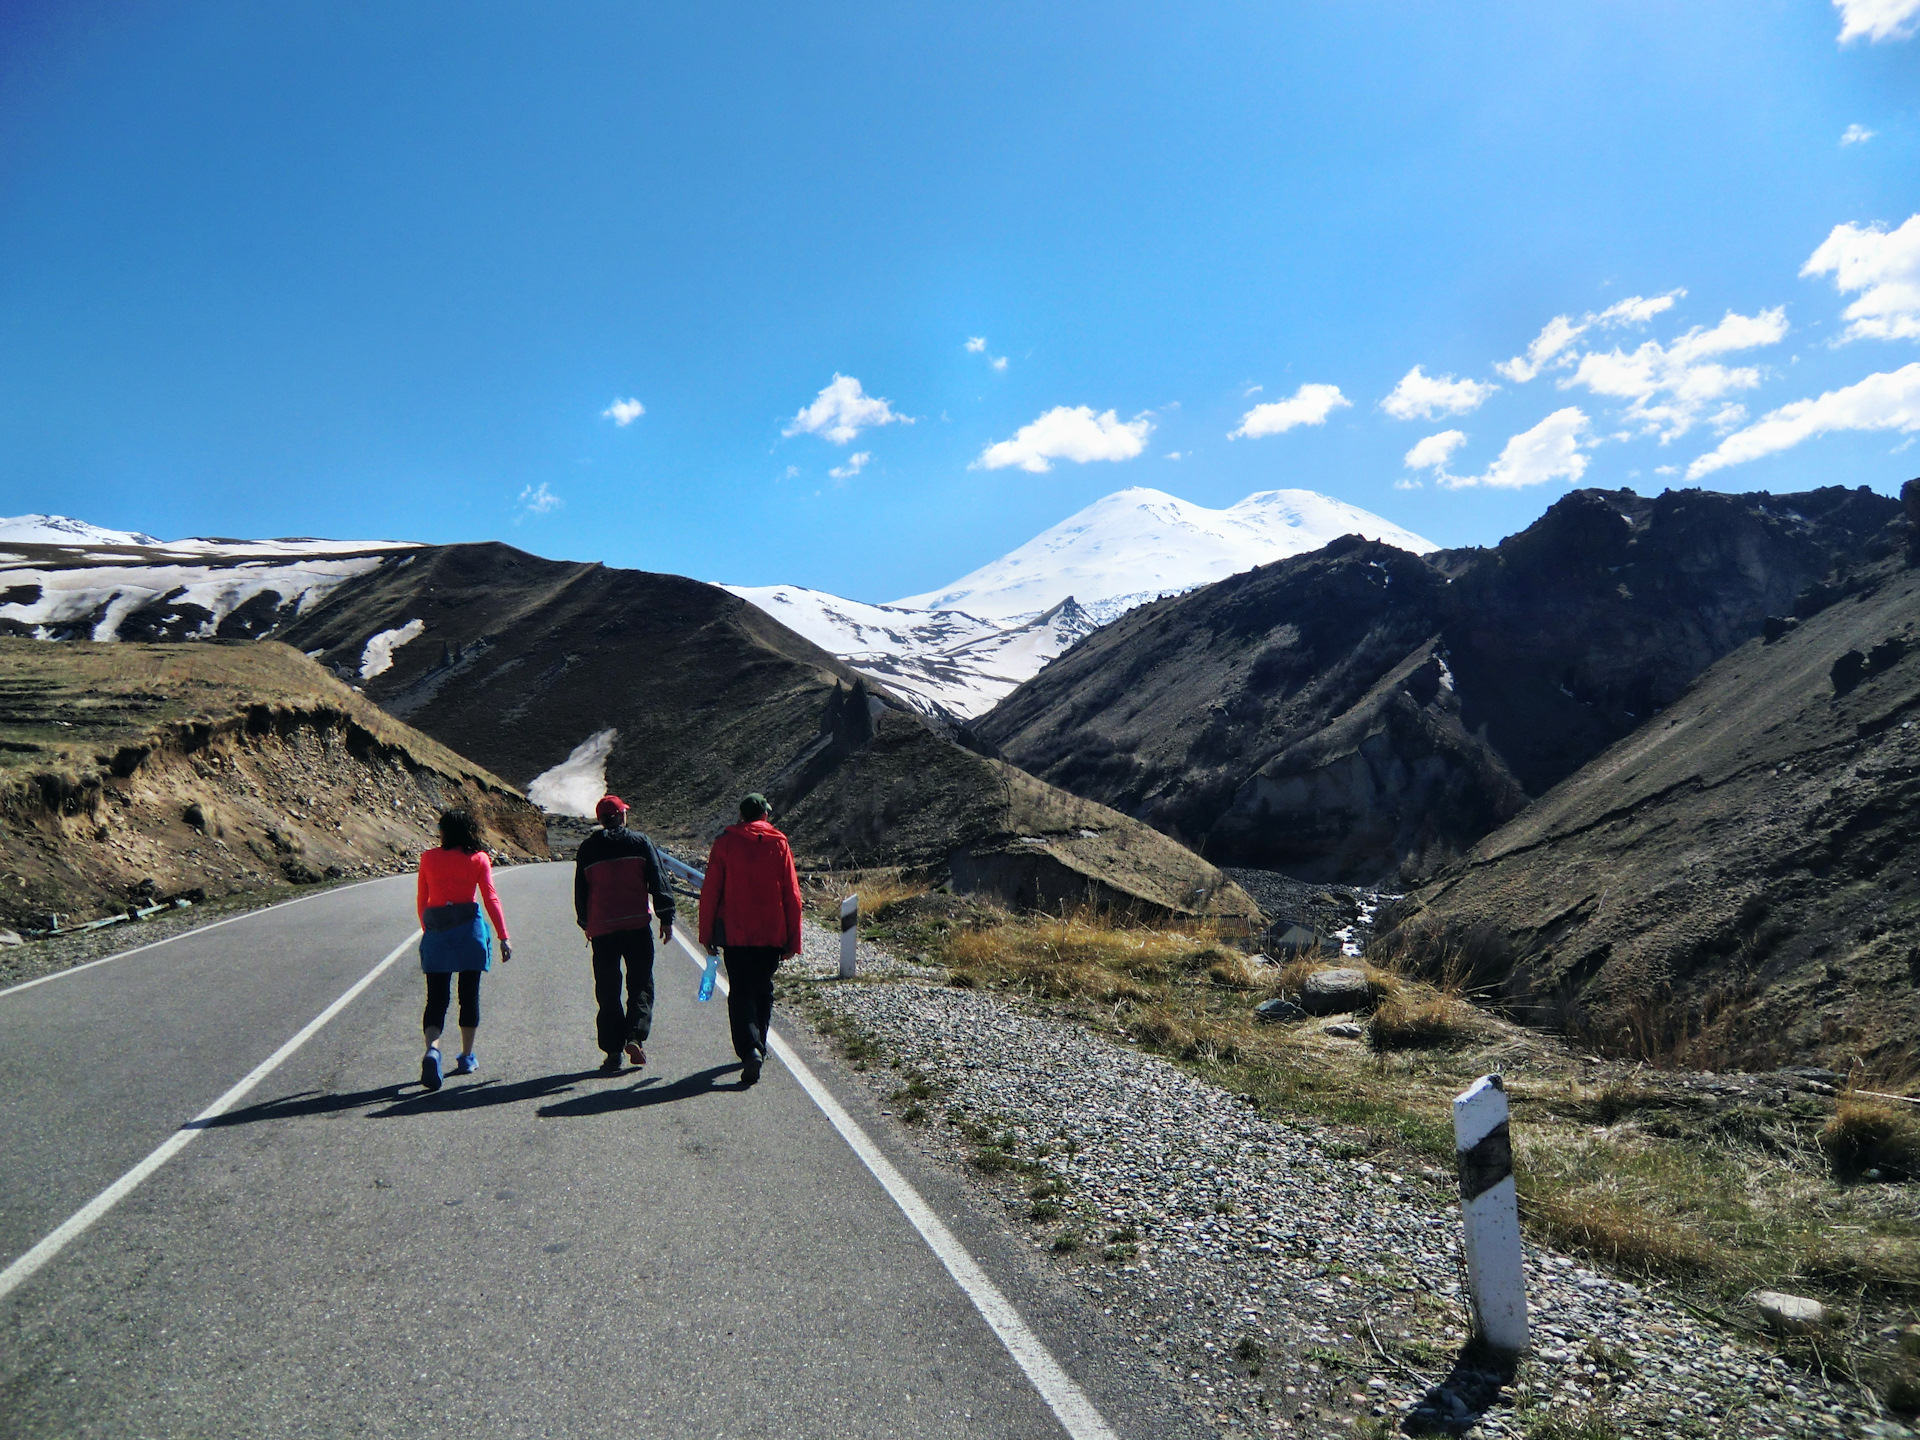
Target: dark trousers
[
  {"x": 750, "y": 997},
  {"x": 616, "y": 1027},
  {"x": 434, "y": 1017}
]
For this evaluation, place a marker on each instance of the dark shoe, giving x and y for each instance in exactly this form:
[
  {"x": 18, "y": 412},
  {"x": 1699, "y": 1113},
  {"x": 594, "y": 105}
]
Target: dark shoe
[
  {"x": 637, "y": 1053},
  {"x": 466, "y": 1064},
  {"x": 749, "y": 1073},
  {"x": 430, "y": 1070},
  {"x": 610, "y": 1065}
]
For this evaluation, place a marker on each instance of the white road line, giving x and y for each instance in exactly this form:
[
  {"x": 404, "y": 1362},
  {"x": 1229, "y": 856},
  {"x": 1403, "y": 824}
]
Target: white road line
[
  {"x": 82, "y": 1219},
  {"x": 197, "y": 930},
  {"x": 1068, "y": 1401}
]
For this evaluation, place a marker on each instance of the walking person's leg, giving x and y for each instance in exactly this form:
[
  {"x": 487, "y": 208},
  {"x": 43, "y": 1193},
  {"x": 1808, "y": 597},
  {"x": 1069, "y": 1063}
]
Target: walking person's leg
[
  {"x": 610, "y": 1023},
  {"x": 639, "y": 949},
  {"x": 749, "y": 1002},
  {"x": 467, "y": 1062},
  {"x": 432, "y": 1021}
]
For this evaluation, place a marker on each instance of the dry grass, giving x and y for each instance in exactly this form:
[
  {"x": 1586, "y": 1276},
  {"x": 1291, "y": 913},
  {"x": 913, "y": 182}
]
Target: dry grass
[
  {"x": 1612, "y": 1164},
  {"x": 880, "y": 891},
  {"x": 1433, "y": 1021},
  {"x": 1871, "y": 1134}
]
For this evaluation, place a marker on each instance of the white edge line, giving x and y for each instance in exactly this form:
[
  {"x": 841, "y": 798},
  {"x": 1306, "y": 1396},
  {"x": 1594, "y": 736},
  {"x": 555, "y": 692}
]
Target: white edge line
[
  {"x": 82, "y": 1219},
  {"x": 1069, "y": 1403},
  {"x": 196, "y": 930}
]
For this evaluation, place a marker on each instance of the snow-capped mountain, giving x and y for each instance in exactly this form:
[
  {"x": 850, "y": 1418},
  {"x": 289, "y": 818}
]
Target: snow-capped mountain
[
  {"x": 961, "y": 649},
  {"x": 86, "y": 582},
  {"x": 59, "y": 530},
  {"x": 1136, "y": 545},
  {"x": 943, "y": 661}
]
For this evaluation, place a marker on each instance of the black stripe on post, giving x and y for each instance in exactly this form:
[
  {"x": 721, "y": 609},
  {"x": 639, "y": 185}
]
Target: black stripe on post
[{"x": 1488, "y": 1163}]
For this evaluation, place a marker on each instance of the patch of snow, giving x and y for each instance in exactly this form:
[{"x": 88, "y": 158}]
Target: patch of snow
[
  {"x": 65, "y": 531},
  {"x": 575, "y": 785},
  {"x": 1446, "y": 674},
  {"x": 59, "y": 530},
  {"x": 377, "y": 658},
  {"x": 938, "y": 661},
  {"x": 108, "y": 594},
  {"x": 1106, "y": 551}
]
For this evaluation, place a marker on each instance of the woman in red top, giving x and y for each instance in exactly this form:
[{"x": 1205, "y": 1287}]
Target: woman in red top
[{"x": 453, "y": 937}]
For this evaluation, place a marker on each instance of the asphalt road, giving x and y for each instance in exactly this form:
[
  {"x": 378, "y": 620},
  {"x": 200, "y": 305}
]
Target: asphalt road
[{"x": 537, "y": 1250}]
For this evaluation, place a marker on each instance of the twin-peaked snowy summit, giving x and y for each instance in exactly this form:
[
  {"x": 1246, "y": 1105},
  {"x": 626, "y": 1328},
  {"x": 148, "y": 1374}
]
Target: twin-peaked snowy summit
[
  {"x": 963, "y": 648},
  {"x": 1139, "y": 544}
]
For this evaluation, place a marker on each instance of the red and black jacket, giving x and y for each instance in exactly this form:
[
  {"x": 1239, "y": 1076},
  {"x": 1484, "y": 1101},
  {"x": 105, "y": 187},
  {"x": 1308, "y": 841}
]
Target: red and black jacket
[{"x": 613, "y": 876}]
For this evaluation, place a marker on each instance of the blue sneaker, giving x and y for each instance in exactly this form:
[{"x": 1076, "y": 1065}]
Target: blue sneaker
[
  {"x": 430, "y": 1069},
  {"x": 466, "y": 1064}
]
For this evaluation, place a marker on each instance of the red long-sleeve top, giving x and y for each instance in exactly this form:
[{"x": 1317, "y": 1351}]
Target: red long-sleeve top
[{"x": 450, "y": 877}]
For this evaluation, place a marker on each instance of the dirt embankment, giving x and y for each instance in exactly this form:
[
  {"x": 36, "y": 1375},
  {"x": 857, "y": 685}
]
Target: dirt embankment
[{"x": 131, "y": 773}]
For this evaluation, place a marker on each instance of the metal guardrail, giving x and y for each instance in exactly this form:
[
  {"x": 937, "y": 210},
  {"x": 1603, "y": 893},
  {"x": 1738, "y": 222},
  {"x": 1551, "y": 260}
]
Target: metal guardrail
[{"x": 680, "y": 870}]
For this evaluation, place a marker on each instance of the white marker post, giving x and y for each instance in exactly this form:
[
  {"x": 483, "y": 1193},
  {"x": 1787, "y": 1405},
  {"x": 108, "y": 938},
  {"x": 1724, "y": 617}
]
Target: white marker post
[
  {"x": 849, "y": 936},
  {"x": 1490, "y": 1210}
]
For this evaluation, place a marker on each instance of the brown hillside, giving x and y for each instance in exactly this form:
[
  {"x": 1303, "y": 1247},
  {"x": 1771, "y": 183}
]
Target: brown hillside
[
  {"x": 522, "y": 659},
  {"x": 130, "y": 772},
  {"x": 1739, "y": 879}
]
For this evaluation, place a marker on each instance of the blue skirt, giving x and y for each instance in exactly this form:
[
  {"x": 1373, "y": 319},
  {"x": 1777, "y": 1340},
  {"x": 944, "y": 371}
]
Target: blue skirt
[{"x": 464, "y": 945}]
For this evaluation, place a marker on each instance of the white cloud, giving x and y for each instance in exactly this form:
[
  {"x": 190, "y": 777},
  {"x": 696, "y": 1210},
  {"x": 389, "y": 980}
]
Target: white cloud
[
  {"x": 1175, "y": 455},
  {"x": 1557, "y": 337},
  {"x": 1549, "y": 451},
  {"x": 540, "y": 501},
  {"x": 1877, "y": 20},
  {"x": 1887, "y": 401},
  {"x": 977, "y": 345},
  {"x": 1309, "y": 405},
  {"x": 792, "y": 472},
  {"x": 1433, "y": 452},
  {"x": 1406, "y": 484},
  {"x": 856, "y": 462},
  {"x": 1420, "y": 396},
  {"x": 1668, "y": 387},
  {"x": 624, "y": 412},
  {"x": 1857, "y": 135},
  {"x": 842, "y": 410},
  {"x": 1885, "y": 266},
  {"x": 1075, "y": 434}
]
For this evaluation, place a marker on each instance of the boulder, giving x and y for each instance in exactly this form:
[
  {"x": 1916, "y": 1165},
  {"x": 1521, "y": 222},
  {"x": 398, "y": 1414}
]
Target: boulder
[
  {"x": 1345, "y": 1030},
  {"x": 10, "y": 937},
  {"x": 1336, "y": 992},
  {"x": 1790, "y": 1314},
  {"x": 1910, "y": 1339}
]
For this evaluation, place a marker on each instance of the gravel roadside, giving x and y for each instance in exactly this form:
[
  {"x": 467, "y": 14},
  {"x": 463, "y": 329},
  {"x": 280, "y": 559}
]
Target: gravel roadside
[{"x": 1289, "y": 1287}]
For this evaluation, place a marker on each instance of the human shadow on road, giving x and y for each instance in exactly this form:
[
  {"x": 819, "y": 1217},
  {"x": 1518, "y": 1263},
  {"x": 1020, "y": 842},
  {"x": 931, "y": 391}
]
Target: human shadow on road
[
  {"x": 400, "y": 1100},
  {"x": 637, "y": 1097}
]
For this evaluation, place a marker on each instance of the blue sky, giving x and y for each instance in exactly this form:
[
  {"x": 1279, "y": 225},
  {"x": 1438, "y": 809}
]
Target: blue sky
[{"x": 385, "y": 270}]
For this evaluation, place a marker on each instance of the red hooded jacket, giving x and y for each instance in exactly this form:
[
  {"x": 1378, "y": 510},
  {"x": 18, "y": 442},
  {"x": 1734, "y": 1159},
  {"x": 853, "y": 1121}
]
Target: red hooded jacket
[{"x": 751, "y": 895}]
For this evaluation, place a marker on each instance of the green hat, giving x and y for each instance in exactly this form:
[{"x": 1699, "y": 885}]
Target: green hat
[{"x": 754, "y": 807}]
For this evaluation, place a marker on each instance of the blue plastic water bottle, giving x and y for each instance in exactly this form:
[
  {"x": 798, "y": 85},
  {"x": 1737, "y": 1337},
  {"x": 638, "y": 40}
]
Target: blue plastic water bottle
[{"x": 707, "y": 979}]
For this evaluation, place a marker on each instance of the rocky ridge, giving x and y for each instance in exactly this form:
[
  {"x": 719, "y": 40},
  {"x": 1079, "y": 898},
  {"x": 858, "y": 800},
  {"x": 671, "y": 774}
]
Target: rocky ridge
[{"x": 1360, "y": 713}]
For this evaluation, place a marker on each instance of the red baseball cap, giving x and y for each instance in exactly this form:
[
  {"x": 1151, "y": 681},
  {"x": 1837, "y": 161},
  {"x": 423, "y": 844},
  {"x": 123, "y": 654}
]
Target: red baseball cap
[{"x": 610, "y": 807}]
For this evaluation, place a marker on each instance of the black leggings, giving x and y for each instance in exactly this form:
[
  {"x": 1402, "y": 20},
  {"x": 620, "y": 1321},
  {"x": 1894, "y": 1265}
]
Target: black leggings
[{"x": 438, "y": 984}]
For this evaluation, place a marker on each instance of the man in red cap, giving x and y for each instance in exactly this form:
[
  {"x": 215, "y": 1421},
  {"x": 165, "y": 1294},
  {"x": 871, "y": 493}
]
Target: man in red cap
[
  {"x": 750, "y": 906},
  {"x": 615, "y": 875}
]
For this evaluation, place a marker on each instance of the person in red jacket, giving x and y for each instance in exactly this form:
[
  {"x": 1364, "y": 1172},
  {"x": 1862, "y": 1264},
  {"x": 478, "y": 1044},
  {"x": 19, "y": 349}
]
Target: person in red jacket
[
  {"x": 454, "y": 938},
  {"x": 750, "y": 907}
]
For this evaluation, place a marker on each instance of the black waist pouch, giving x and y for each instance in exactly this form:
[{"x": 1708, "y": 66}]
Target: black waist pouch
[{"x": 449, "y": 917}]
